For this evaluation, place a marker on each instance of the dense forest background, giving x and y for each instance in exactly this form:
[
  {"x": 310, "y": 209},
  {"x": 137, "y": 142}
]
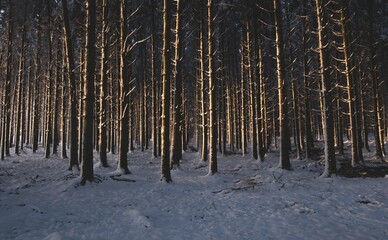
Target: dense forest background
[{"x": 232, "y": 77}]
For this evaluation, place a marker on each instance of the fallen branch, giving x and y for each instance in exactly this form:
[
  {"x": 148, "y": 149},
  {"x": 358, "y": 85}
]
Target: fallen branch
[{"x": 121, "y": 179}]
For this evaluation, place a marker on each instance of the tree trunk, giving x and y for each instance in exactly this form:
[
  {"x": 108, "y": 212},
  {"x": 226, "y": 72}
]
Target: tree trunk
[
  {"x": 30, "y": 102},
  {"x": 49, "y": 87},
  {"x": 252, "y": 92},
  {"x": 20, "y": 87},
  {"x": 7, "y": 95},
  {"x": 153, "y": 82},
  {"x": 258, "y": 63},
  {"x": 350, "y": 85},
  {"x": 307, "y": 128},
  {"x": 243, "y": 138},
  {"x": 212, "y": 94},
  {"x": 81, "y": 96},
  {"x": 124, "y": 92},
  {"x": 328, "y": 127},
  {"x": 204, "y": 152},
  {"x": 376, "y": 97},
  {"x": 73, "y": 161},
  {"x": 90, "y": 58},
  {"x": 177, "y": 123},
  {"x": 64, "y": 95},
  {"x": 283, "y": 124},
  {"x": 165, "y": 117},
  {"x": 58, "y": 76},
  {"x": 103, "y": 88}
]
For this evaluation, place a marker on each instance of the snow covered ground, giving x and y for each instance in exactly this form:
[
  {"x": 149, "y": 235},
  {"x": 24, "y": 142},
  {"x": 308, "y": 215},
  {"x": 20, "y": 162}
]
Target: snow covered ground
[{"x": 40, "y": 199}]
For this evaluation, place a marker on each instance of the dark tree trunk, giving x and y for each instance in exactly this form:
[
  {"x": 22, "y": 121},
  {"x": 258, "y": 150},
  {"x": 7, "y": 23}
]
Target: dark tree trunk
[
  {"x": 307, "y": 128},
  {"x": 64, "y": 95},
  {"x": 283, "y": 121},
  {"x": 7, "y": 95},
  {"x": 58, "y": 76},
  {"x": 90, "y": 58},
  {"x": 48, "y": 129},
  {"x": 73, "y": 161},
  {"x": 166, "y": 71},
  {"x": 20, "y": 92},
  {"x": 252, "y": 92},
  {"x": 375, "y": 96},
  {"x": 178, "y": 118}
]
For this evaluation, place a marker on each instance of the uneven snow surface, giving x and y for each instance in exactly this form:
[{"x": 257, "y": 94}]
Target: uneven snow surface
[{"x": 40, "y": 199}]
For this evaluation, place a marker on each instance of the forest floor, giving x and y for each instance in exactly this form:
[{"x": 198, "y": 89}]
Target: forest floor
[{"x": 40, "y": 199}]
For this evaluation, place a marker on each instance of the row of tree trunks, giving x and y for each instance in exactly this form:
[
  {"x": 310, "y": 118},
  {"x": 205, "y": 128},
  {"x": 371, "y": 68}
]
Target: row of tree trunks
[
  {"x": 241, "y": 92},
  {"x": 5, "y": 142}
]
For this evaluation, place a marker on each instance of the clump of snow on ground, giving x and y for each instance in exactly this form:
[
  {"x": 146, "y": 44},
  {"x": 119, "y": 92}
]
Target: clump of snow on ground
[{"x": 40, "y": 199}]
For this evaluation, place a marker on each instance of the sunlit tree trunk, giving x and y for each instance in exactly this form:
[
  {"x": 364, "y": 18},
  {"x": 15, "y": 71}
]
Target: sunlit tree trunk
[
  {"x": 213, "y": 168},
  {"x": 328, "y": 126},
  {"x": 350, "y": 85},
  {"x": 103, "y": 87},
  {"x": 153, "y": 83},
  {"x": 178, "y": 75},
  {"x": 204, "y": 145},
  {"x": 124, "y": 92}
]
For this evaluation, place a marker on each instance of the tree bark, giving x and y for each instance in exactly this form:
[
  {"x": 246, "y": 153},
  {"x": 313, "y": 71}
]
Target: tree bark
[
  {"x": 20, "y": 91},
  {"x": 178, "y": 75},
  {"x": 48, "y": 129},
  {"x": 252, "y": 92},
  {"x": 213, "y": 168},
  {"x": 90, "y": 58},
  {"x": 350, "y": 85},
  {"x": 7, "y": 95},
  {"x": 124, "y": 92},
  {"x": 283, "y": 121},
  {"x": 328, "y": 126},
  {"x": 73, "y": 161},
  {"x": 204, "y": 145},
  {"x": 64, "y": 95},
  {"x": 103, "y": 87},
  {"x": 165, "y": 117},
  {"x": 379, "y": 152},
  {"x": 153, "y": 83},
  {"x": 307, "y": 128}
]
